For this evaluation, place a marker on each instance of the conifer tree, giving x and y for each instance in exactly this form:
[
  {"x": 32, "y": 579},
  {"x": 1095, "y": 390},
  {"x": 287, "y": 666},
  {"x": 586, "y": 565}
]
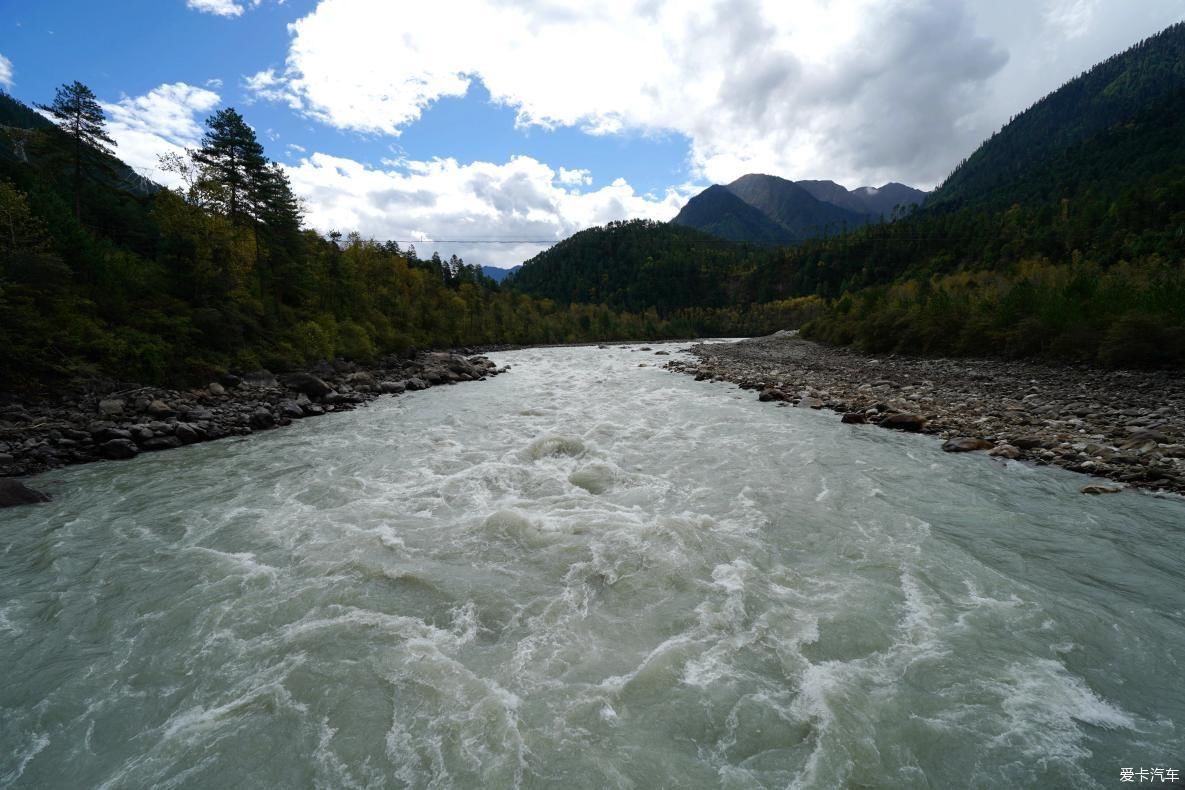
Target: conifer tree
[
  {"x": 78, "y": 114},
  {"x": 233, "y": 159}
]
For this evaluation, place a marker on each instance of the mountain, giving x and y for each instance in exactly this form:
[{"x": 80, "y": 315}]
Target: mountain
[
  {"x": 1116, "y": 122},
  {"x": 640, "y": 264},
  {"x": 873, "y": 201},
  {"x": 770, "y": 210},
  {"x": 719, "y": 211},
  {"x": 498, "y": 274}
]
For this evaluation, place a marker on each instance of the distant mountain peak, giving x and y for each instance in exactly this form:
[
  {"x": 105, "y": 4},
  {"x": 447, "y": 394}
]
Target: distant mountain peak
[{"x": 778, "y": 210}]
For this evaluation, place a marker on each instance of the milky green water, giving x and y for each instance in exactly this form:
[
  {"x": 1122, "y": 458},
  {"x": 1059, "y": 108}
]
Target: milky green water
[{"x": 586, "y": 573}]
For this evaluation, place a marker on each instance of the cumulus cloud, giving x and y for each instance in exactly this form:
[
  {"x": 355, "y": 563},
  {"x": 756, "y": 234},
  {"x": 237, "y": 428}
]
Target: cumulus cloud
[
  {"x": 860, "y": 91},
  {"x": 800, "y": 89},
  {"x": 165, "y": 120},
  {"x": 442, "y": 199},
  {"x": 6, "y": 72}
]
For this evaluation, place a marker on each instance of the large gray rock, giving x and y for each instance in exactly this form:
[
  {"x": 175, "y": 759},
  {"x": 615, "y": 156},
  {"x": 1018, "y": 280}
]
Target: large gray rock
[
  {"x": 307, "y": 384},
  {"x": 14, "y": 492},
  {"x": 260, "y": 378},
  {"x": 291, "y": 409},
  {"x": 109, "y": 407}
]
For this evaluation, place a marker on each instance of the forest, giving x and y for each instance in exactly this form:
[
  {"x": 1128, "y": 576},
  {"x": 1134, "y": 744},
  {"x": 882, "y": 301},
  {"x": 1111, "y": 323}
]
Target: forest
[{"x": 103, "y": 274}]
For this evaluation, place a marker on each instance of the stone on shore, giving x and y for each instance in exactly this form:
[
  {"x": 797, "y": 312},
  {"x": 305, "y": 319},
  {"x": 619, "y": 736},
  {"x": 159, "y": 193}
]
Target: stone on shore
[
  {"x": 14, "y": 492},
  {"x": 1094, "y": 489},
  {"x": 772, "y": 394},
  {"x": 912, "y": 423},
  {"x": 854, "y": 418},
  {"x": 965, "y": 444},
  {"x": 307, "y": 384}
]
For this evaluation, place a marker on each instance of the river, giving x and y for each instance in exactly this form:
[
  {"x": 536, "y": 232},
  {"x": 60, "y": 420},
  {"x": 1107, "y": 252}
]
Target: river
[{"x": 586, "y": 573}]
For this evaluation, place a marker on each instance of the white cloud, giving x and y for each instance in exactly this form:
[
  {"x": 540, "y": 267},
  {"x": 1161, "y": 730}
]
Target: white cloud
[
  {"x": 214, "y": 83},
  {"x": 522, "y": 200},
  {"x": 165, "y": 120},
  {"x": 6, "y": 72},
  {"x": 859, "y": 91},
  {"x": 228, "y": 8}
]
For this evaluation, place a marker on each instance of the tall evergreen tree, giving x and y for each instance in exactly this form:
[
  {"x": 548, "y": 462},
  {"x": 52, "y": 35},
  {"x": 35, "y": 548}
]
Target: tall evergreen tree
[
  {"x": 78, "y": 114},
  {"x": 233, "y": 159}
]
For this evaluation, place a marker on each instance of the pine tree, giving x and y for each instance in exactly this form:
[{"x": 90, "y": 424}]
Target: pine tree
[
  {"x": 79, "y": 115},
  {"x": 234, "y": 161}
]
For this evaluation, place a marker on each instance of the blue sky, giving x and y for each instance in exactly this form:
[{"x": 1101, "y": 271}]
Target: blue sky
[{"x": 512, "y": 119}]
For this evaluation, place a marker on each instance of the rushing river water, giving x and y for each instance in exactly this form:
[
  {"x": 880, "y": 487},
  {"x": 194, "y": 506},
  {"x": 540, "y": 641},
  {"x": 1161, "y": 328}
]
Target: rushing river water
[{"x": 586, "y": 573}]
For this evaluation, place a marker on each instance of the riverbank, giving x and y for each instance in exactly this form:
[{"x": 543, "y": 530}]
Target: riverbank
[
  {"x": 1127, "y": 426},
  {"x": 82, "y": 424}
]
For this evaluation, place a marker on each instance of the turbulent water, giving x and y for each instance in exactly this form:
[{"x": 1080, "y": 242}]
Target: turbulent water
[{"x": 586, "y": 573}]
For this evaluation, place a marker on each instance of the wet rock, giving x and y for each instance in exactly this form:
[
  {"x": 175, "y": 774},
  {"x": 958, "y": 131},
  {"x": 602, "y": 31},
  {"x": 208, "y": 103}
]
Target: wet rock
[
  {"x": 14, "y": 492},
  {"x": 1095, "y": 489},
  {"x": 809, "y": 403},
  {"x": 393, "y": 387},
  {"x": 1029, "y": 442},
  {"x": 119, "y": 449},
  {"x": 161, "y": 443},
  {"x": 416, "y": 384},
  {"x": 772, "y": 394},
  {"x": 912, "y": 423},
  {"x": 965, "y": 444},
  {"x": 1005, "y": 451},
  {"x": 854, "y": 418},
  {"x": 262, "y": 419},
  {"x": 291, "y": 409}
]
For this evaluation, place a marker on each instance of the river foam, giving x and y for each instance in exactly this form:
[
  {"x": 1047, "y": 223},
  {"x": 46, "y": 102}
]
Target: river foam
[{"x": 585, "y": 573}]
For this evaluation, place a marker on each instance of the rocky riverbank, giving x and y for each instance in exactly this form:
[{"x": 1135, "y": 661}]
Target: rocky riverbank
[
  {"x": 1128, "y": 426},
  {"x": 93, "y": 423}
]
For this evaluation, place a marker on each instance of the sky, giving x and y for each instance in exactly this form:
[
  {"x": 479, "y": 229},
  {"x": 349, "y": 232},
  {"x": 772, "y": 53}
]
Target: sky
[{"x": 451, "y": 124}]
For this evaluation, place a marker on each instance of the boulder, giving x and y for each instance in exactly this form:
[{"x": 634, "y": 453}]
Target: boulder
[
  {"x": 1028, "y": 442},
  {"x": 291, "y": 409},
  {"x": 102, "y": 435},
  {"x": 262, "y": 419},
  {"x": 214, "y": 388},
  {"x": 161, "y": 443},
  {"x": 912, "y": 423},
  {"x": 772, "y": 394},
  {"x": 855, "y": 418},
  {"x": 188, "y": 434},
  {"x": 1094, "y": 489},
  {"x": 160, "y": 410},
  {"x": 110, "y": 407},
  {"x": 1005, "y": 451},
  {"x": 416, "y": 383},
  {"x": 118, "y": 449},
  {"x": 307, "y": 384},
  {"x": 259, "y": 378},
  {"x": 393, "y": 387},
  {"x": 965, "y": 444},
  {"x": 13, "y": 492},
  {"x": 809, "y": 403}
]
